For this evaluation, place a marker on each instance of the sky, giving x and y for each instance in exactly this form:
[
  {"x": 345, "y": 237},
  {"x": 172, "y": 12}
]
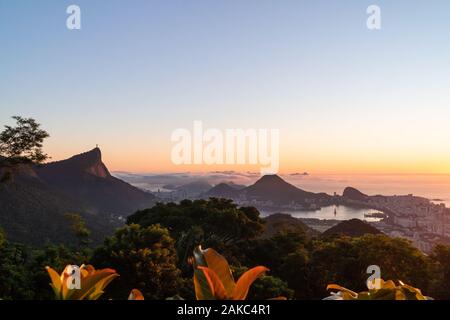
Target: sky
[{"x": 346, "y": 99}]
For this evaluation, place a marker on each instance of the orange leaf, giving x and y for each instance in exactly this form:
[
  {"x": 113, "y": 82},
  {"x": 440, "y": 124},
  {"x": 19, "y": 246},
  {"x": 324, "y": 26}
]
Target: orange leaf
[
  {"x": 278, "y": 298},
  {"x": 219, "y": 265},
  {"x": 135, "y": 294},
  {"x": 93, "y": 282},
  {"x": 56, "y": 282},
  {"x": 350, "y": 293},
  {"x": 245, "y": 281},
  {"x": 216, "y": 286}
]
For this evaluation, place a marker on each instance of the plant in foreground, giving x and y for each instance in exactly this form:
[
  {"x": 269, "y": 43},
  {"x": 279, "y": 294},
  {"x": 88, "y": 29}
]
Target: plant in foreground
[
  {"x": 213, "y": 279},
  {"x": 135, "y": 294},
  {"x": 92, "y": 282},
  {"x": 388, "y": 290}
]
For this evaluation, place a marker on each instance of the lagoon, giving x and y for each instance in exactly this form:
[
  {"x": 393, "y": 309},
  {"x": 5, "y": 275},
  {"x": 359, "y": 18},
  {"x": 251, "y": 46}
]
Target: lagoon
[{"x": 330, "y": 213}]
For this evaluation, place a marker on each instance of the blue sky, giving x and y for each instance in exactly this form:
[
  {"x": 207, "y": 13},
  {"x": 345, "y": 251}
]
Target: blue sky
[{"x": 343, "y": 96}]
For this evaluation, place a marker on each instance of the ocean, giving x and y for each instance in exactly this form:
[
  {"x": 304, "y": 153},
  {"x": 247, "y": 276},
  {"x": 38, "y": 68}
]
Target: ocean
[{"x": 433, "y": 187}]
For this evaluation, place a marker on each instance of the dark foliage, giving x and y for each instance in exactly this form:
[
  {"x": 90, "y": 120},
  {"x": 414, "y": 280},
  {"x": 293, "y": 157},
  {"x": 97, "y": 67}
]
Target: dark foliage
[
  {"x": 145, "y": 259},
  {"x": 23, "y": 143},
  {"x": 216, "y": 223}
]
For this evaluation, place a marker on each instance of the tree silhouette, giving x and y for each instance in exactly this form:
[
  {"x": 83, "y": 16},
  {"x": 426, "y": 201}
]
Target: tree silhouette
[{"x": 23, "y": 142}]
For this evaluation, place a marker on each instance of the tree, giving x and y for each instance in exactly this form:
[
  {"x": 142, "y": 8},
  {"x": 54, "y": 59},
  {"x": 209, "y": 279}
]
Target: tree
[
  {"x": 145, "y": 259},
  {"x": 2, "y": 238},
  {"x": 286, "y": 257},
  {"x": 269, "y": 287},
  {"x": 78, "y": 227},
  {"x": 440, "y": 287},
  {"x": 294, "y": 271},
  {"x": 23, "y": 143},
  {"x": 345, "y": 260},
  {"x": 14, "y": 275},
  {"x": 216, "y": 223}
]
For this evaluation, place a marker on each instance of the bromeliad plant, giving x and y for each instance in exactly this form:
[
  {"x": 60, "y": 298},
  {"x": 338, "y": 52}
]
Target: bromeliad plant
[
  {"x": 213, "y": 279},
  {"x": 388, "y": 290},
  {"x": 92, "y": 283},
  {"x": 135, "y": 294}
]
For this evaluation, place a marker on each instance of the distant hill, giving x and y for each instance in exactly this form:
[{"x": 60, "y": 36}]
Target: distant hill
[
  {"x": 280, "y": 222},
  {"x": 267, "y": 188},
  {"x": 222, "y": 190},
  {"x": 236, "y": 185},
  {"x": 34, "y": 202},
  {"x": 274, "y": 188},
  {"x": 194, "y": 188},
  {"x": 352, "y": 228},
  {"x": 354, "y": 194}
]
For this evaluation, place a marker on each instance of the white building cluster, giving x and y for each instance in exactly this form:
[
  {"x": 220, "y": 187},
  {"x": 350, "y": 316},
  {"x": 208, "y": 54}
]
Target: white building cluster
[{"x": 415, "y": 218}]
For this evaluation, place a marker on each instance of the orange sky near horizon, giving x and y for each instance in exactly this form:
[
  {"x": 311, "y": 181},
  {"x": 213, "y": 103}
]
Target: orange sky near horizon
[{"x": 131, "y": 158}]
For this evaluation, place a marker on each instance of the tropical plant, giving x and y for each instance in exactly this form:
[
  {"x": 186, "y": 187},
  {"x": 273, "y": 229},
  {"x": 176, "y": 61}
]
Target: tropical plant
[
  {"x": 146, "y": 260},
  {"x": 213, "y": 279},
  {"x": 135, "y": 294},
  {"x": 387, "y": 290},
  {"x": 92, "y": 282}
]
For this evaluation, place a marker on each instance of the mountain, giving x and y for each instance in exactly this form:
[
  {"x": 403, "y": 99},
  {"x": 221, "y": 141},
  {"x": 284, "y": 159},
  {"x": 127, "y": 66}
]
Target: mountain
[
  {"x": 86, "y": 180},
  {"x": 351, "y": 228},
  {"x": 354, "y": 194},
  {"x": 194, "y": 188},
  {"x": 236, "y": 185},
  {"x": 222, "y": 190},
  {"x": 280, "y": 222},
  {"x": 275, "y": 189},
  {"x": 36, "y": 198},
  {"x": 268, "y": 188}
]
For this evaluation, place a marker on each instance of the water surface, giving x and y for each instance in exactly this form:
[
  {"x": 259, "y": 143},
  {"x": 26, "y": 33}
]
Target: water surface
[{"x": 331, "y": 213}]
